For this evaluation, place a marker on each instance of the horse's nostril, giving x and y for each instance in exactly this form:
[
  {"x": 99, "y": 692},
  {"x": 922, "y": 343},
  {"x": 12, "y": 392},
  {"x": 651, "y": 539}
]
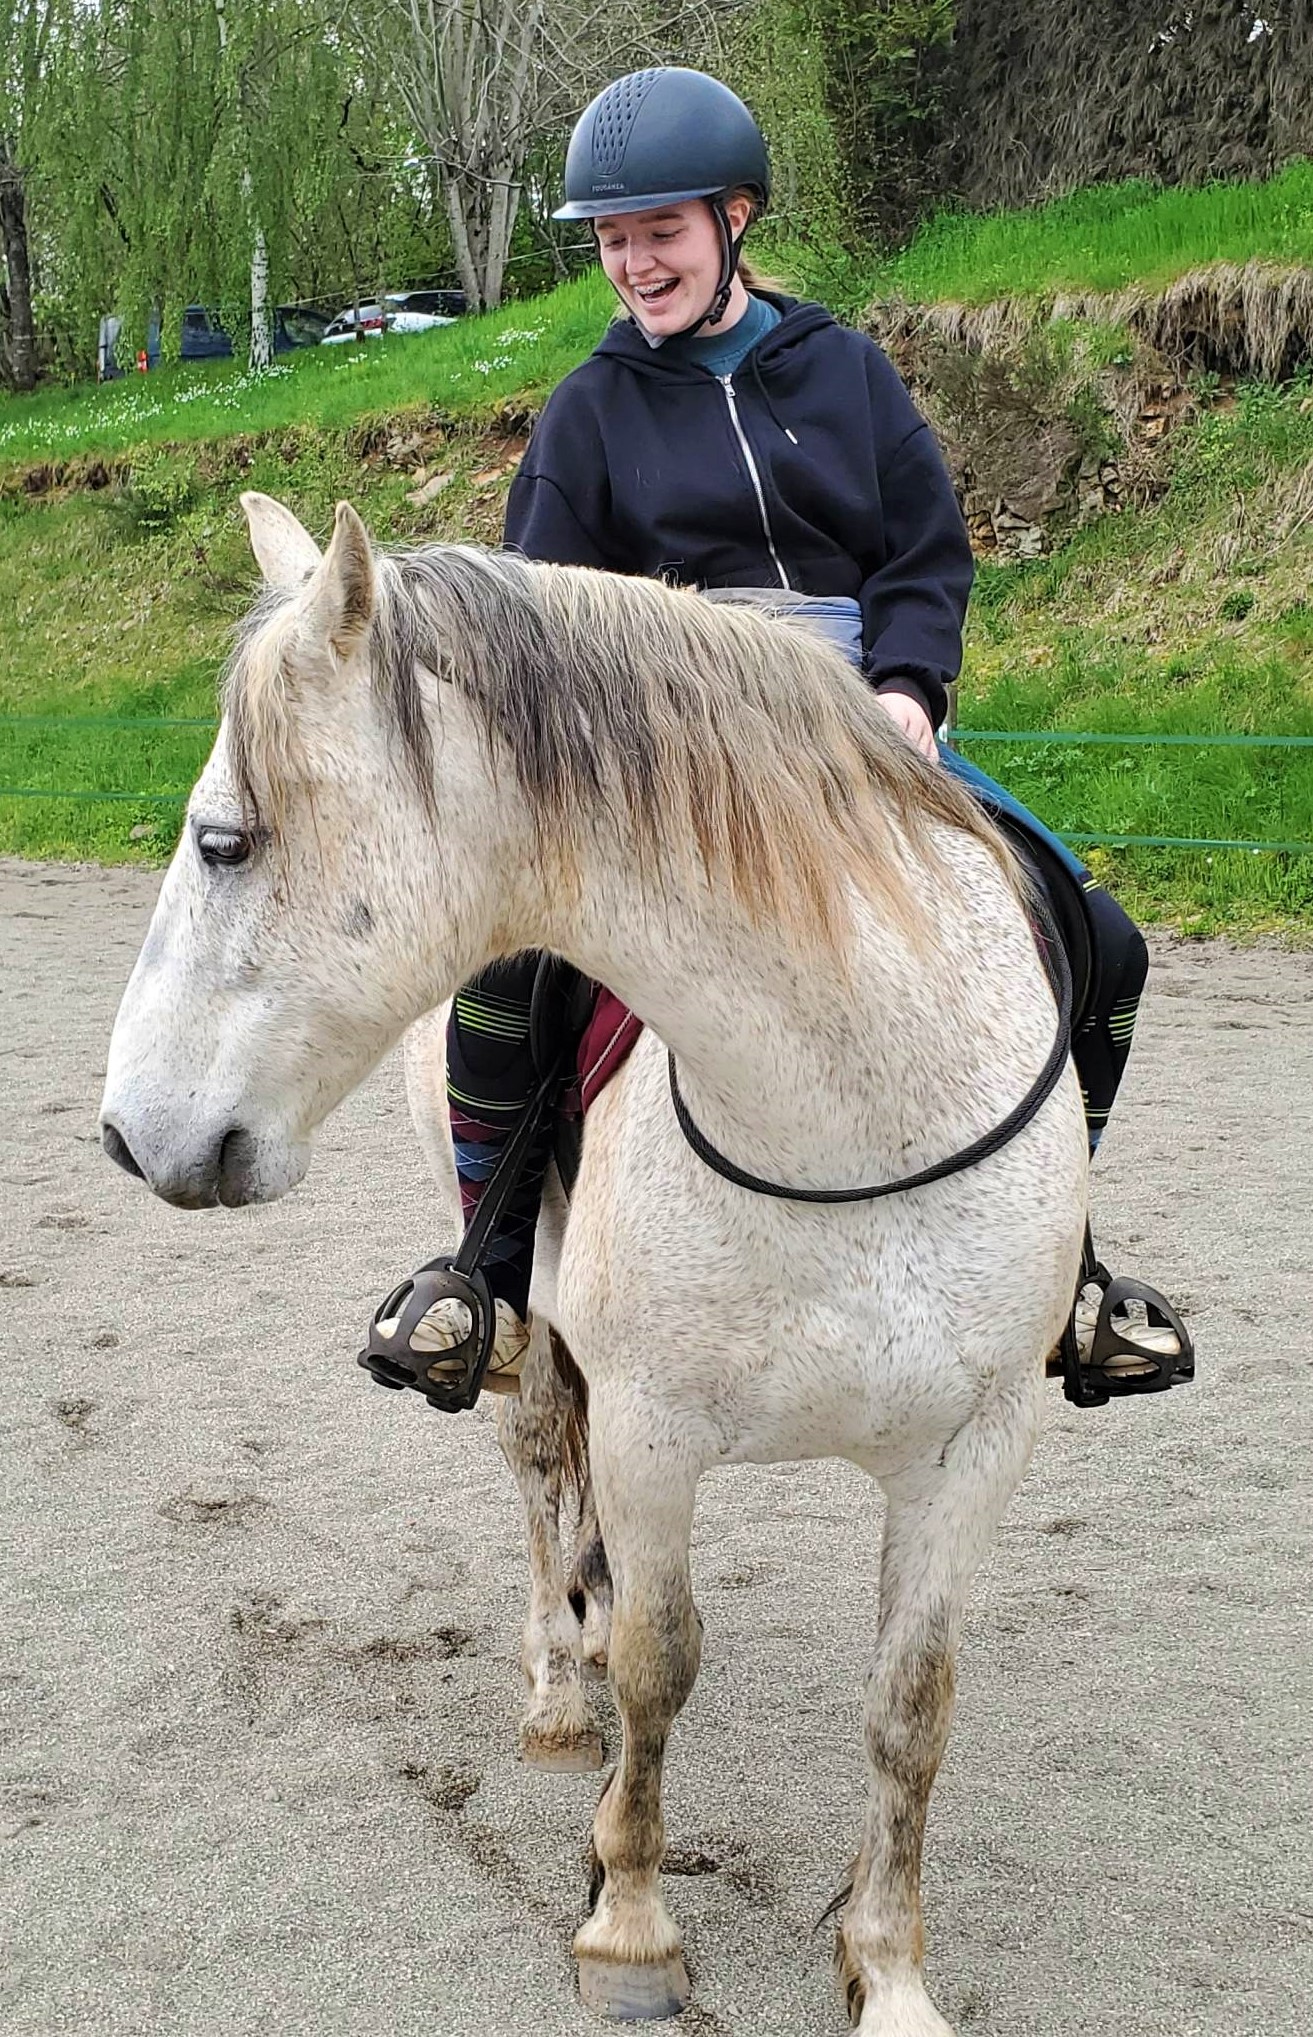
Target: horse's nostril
[
  {"x": 234, "y": 1149},
  {"x": 119, "y": 1151}
]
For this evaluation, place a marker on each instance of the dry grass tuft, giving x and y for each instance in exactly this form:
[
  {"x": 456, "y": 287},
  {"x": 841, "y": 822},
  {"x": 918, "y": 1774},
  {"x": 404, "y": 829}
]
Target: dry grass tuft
[{"x": 1250, "y": 319}]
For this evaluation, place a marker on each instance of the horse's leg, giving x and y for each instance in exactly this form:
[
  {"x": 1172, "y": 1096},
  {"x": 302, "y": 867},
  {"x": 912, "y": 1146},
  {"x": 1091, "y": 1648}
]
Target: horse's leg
[
  {"x": 629, "y": 1950},
  {"x": 591, "y": 1591},
  {"x": 941, "y": 1519},
  {"x": 556, "y": 1731}
]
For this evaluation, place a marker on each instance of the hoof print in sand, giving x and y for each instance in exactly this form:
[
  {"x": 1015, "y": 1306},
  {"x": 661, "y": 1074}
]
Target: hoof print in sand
[
  {"x": 210, "y": 1507},
  {"x": 749, "y": 1574},
  {"x": 24, "y": 1806},
  {"x": 76, "y": 1413},
  {"x": 439, "y": 1644},
  {"x": 447, "y": 1787},
  {"x": 719, "y": 1853},
  {"x": 687, "y": 1857}
]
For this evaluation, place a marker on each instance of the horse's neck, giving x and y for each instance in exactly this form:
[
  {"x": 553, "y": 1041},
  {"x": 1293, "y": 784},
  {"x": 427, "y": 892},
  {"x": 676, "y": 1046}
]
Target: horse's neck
[
  {"x": 786, "y": 1059},
  {"x": 789, "y": 1061}
]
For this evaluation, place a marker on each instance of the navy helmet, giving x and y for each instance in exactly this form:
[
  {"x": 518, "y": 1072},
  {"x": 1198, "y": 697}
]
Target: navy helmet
[{"x": 659, "y": 137}]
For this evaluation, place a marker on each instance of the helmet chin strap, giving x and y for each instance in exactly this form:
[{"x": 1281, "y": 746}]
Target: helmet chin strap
[
  {"x": 719, "y": 305},
  {"x": 729, "y": 263}
]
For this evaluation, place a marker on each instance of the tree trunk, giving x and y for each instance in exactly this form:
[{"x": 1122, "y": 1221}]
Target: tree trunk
[
  {"x": 262, "y": 339},
  {"x": 457, "y": 196},
  {"x": 501, "y": 225},
  {"x": 482, "y": 212},
  {"x": 20, "y": 341}
]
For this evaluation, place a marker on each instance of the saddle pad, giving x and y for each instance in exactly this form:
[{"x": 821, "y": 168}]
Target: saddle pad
[{"x": 607, "y": 1042}]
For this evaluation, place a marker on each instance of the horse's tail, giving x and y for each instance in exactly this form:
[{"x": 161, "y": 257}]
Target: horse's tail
[{"x": 574, "y": 1436}]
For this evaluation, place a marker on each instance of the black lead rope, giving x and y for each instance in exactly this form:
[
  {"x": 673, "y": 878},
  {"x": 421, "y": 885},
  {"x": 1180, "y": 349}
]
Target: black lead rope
[{"x": 1054, "y": 958}]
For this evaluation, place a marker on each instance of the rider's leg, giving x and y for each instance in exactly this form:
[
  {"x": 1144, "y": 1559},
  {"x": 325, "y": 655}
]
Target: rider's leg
[
  {"x": 491, "y": 1076},
  {"x": 1101, "y": 1048},
  {"x": 1120, "y": 962}
]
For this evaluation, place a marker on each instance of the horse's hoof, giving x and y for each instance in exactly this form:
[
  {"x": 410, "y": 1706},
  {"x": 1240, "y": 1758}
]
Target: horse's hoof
[
  {"x": 631, "y": 1993},
  {"x": 580, "y": 1754}
]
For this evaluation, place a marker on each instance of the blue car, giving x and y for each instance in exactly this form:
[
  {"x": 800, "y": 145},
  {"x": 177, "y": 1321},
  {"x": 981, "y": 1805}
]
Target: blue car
[{"x": 204, "y": 339}]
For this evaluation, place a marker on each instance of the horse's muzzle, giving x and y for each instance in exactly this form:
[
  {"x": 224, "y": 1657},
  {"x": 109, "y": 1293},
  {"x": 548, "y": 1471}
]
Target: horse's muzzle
[{"x": 229, "y": 1168}]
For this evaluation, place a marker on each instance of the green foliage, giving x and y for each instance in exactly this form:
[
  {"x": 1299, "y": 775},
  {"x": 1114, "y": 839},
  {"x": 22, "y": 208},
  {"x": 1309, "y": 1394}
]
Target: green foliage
[
  {"x": 849, "y": 93},
  {"x": 163, "y": 135},
  {"x": 160, "y": 487},
  {"x": 886, "y": 76},
  {"x": 777, "y": 56}
]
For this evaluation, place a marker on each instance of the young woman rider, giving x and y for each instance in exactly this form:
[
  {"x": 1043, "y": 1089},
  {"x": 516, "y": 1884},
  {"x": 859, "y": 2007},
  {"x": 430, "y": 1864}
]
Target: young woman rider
[{"x": 727, "y": 437}]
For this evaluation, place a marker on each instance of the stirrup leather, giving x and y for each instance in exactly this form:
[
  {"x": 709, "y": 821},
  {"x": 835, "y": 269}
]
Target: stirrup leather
[{"x": 387, "y": 1355}]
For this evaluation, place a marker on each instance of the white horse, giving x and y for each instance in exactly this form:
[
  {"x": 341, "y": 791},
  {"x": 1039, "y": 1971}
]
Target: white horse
[{"x": 429, "y": 761}]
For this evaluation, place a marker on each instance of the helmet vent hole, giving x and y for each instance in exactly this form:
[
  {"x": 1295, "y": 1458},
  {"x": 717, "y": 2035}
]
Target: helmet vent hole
[{"x": 614, "y": 120}]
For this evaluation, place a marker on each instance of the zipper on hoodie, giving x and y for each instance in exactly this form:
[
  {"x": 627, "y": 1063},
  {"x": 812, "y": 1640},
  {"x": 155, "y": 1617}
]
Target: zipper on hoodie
[{"x": 727, "y": 384}]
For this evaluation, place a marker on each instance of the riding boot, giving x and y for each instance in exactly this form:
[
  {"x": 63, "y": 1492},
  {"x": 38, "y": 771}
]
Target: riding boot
[{"x": 491, "y": 1077}]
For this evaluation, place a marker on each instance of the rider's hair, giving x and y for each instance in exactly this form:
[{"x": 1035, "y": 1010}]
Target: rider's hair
[{"x": 753, "y": 277}]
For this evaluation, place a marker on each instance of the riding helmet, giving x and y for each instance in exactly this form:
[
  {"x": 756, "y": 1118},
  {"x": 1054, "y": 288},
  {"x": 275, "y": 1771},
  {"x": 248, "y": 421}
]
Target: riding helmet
[{"x": 660, "y": 137}]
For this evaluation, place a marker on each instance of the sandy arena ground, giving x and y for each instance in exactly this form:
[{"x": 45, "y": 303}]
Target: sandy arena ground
[{"x": 258, "y": 1650}]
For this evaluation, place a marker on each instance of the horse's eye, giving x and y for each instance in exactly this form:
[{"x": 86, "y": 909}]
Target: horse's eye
[{"x": 224, "y": 845}]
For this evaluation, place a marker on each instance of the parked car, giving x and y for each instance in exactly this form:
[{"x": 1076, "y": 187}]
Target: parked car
[
  {"x": 204, "y": 339},
  {"x": 401, "y": 311},
  {"x": 439, "y": 303}
]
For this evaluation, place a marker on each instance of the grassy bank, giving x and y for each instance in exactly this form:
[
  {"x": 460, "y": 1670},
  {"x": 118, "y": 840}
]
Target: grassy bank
[
  {"x": 120, "y": 603},
  {"x": 1104, "y": 239},
  {"x": 1188, "y": 618},
  {"x": 1096, "y": 240},
  {"x": 465, "y": 370}
]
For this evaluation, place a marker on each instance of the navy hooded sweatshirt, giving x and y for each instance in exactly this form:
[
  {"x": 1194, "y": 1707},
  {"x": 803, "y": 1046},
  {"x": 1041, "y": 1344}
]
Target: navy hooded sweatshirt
[{"x": 810, "y": 468}]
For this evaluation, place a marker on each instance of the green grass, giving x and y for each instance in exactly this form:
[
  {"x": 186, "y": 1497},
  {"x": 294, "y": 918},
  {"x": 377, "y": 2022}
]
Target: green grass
[
  {"x": 467, "y": 370},
  {"x": 1191, "y": 618},
  {"x": 1100, "y": 239},
  {"x": 110, "y": 617},
  {"x": 1103, "y": 239}
]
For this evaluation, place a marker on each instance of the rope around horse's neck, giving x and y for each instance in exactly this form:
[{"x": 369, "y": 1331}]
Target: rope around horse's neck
[{"x": 1054, "y": 958}]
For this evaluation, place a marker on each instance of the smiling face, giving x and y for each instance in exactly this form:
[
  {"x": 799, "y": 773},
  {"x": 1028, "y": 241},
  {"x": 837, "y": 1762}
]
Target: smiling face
[{"x": 664, "y": 265}]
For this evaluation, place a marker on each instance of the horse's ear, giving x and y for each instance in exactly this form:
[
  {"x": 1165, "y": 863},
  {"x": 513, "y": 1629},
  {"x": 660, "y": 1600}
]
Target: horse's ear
[
  {"x": 343, "y": 598},
  {"x": 284, "y": 550}
]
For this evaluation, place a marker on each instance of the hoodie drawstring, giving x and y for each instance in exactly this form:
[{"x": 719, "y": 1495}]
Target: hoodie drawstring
[{"x": 775, "y": 418}]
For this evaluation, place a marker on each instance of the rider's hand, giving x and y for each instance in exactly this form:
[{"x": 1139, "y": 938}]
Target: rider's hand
[{"x": 912, "y": 719}]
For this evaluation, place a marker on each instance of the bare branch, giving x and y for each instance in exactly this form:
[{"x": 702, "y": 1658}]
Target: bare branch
[{"x": 486, "y": 82}]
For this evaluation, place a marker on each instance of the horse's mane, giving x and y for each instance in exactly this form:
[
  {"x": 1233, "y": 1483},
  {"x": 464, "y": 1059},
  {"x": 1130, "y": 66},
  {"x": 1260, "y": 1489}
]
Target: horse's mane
[{"x": 724, "y": 736}]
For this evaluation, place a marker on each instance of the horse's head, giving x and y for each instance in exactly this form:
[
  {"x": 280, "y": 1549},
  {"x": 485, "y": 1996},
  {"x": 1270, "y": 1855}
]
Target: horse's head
[{"x": 308, "y": 915}]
